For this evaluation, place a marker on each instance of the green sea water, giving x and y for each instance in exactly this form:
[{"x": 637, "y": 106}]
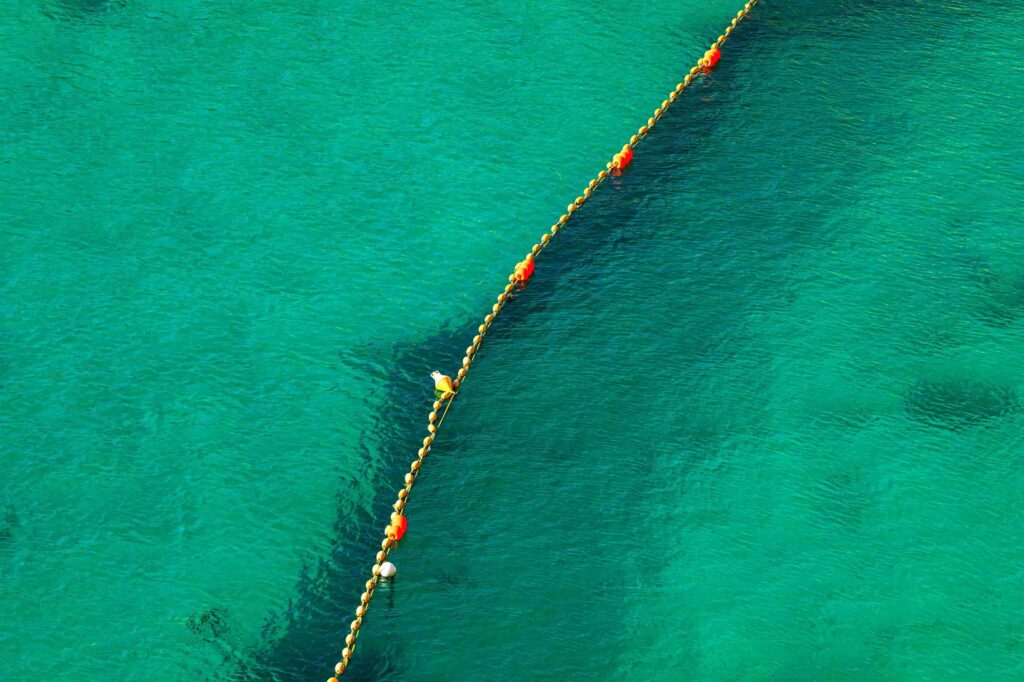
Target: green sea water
[{"x": 757, "y": 417}]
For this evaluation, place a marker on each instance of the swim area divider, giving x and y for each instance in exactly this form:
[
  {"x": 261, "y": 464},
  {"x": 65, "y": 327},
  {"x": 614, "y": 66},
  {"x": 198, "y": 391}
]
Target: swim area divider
[{"x": 440, "y": 407}]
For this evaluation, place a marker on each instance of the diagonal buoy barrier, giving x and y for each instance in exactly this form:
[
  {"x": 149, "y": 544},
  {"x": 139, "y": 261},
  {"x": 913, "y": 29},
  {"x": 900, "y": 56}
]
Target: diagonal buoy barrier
[{"x": 448, "y": 389}]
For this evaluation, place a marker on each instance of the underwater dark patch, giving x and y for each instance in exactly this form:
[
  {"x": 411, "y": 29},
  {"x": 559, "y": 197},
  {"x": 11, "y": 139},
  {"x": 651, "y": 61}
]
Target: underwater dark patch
[
  {"x": 82, "y": 9},
  {"x": 9, "y": 523},
  {"x": 1004, "y": 304},
  {"x": 209, "y": 625},
  {"x": 957, "y": 405}
]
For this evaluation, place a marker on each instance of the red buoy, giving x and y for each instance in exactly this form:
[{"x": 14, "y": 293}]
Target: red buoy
[
  {"x": 399, "y": 524},
  {"x": 524, "y": 271},
  {"x": 622, "y": 160},
  {"x": 627, "y": 158},
  {"x": 713, "y": 57}
]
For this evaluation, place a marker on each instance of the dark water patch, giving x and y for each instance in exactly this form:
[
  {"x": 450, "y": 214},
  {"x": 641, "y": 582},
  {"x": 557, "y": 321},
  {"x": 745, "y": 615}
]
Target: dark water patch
[
  {"x": 1003, "y": 305},
  {"x": 9, "y": 524},
  {"x": 82, "y": 10},
  {"x": 957, "y": 405},
  {"x": 210, "y": 625}
]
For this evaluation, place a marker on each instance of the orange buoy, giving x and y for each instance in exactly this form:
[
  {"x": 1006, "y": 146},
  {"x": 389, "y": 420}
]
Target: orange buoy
[
  {"x": 627, "y": 157},
  {"x": 622, "y": 160},
  {"x": 524, "y": 271},
  {"x": 713, "y": 56},
  {"x": 399, "y": 524}
]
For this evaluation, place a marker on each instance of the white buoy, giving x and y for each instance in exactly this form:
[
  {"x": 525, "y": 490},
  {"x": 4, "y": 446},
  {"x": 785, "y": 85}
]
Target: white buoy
[{"x": 388, "y": 570}]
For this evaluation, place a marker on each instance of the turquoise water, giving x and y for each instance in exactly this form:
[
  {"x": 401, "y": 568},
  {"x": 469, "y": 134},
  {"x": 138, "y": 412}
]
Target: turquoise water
[{"x": 758, "y": 416}]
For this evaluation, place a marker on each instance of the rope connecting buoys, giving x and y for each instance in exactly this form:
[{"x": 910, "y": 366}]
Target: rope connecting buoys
[{"x": 448, "y": 389}]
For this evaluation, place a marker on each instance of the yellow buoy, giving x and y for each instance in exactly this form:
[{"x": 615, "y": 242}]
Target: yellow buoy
[{"x": 442, "y": 382}]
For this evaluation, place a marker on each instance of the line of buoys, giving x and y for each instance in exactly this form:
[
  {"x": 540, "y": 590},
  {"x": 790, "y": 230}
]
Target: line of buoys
[{"x": 447, "y": 389}]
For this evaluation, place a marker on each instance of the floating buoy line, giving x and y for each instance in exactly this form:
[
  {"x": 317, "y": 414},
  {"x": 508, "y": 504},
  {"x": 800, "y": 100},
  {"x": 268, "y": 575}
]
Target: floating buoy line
[{"x": 448, "y": 388}]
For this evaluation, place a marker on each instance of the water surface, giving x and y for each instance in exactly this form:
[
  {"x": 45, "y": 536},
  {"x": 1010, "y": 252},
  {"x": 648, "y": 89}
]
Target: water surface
[{"x": 757, "y": 417}]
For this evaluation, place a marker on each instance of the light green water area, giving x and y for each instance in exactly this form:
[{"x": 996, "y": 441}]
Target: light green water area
[{"x": 757, "y": 417}]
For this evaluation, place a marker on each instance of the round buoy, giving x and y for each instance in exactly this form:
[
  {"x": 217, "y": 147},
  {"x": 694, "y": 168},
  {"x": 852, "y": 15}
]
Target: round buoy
[
  {"x": 399, "y": 524},
  {"x": 387, "y": 570},
  {"x": 627, "y": 156},
  {"x": 621, "y": 160},
  {"x": 713, "y": 55},
  {"x": 524, "y": 271}
]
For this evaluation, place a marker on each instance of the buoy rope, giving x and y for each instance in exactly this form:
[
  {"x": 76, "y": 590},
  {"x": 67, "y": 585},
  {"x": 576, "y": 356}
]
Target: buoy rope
[
  {"x": 445, "y": 413},
  {"x": 434, "y": 420}
]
